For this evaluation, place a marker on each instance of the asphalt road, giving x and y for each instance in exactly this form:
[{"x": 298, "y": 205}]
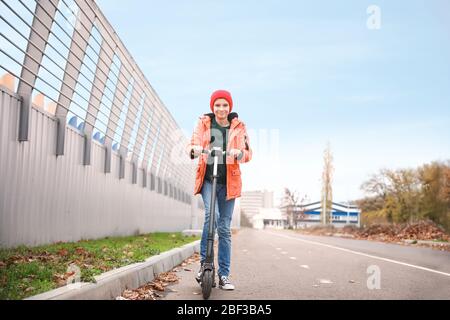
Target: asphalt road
[{"x": 282, "y": 264}]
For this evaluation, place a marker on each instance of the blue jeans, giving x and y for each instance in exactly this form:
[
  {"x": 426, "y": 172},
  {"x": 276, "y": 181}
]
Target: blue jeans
[{"x": 224, "y": 213}]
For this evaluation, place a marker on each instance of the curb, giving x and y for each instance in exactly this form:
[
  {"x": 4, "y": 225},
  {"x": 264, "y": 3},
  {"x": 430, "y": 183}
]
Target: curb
[{"x": 112, "y": 283}]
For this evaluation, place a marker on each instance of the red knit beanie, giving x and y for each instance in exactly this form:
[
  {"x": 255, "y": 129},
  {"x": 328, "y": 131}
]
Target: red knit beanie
[{"x": 221, "y": 94}]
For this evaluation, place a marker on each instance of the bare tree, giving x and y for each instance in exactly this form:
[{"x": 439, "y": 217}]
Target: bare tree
[
  {"x": 245, "y": 221},
  {"x": 327, "y": 191},
  {"x": 301, "y": 214},
  {"x": 290, "y": 200}
]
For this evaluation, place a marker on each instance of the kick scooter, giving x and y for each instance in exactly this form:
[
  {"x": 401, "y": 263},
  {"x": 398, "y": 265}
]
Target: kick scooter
[{"x": 208, "y": 275}]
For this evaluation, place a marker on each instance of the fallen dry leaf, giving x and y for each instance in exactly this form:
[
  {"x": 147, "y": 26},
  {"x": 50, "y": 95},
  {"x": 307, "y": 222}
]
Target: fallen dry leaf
[
  {"x": 158, "y": 286},
  {"x": 63, "y": 252},
  {"x": 167, "y": 277}
]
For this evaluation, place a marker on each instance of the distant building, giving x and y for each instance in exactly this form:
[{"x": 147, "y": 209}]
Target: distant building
[
  {"x": 310, "y": 214},
  {"x": 269, "y": 218},
  {"x": 252, "y": 201}
]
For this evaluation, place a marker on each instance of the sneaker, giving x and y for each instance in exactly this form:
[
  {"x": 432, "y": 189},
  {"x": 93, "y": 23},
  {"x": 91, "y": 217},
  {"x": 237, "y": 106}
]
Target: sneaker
[
  {"x": 199, "y": 274},
  {"x": 225, "y": 283}
]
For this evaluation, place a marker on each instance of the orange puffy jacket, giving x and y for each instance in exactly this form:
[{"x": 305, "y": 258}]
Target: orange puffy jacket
[{"x": 237, "y": 139}]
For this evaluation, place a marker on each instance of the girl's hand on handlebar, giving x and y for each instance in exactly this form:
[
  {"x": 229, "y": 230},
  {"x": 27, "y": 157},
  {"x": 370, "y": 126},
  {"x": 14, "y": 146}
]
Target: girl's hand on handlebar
[
  {"x": 235, "y": 153},
  {"x": 197, "y": 150}
]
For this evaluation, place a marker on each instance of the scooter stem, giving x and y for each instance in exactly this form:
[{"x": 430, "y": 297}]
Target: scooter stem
[{"x": 212, "y": 214}]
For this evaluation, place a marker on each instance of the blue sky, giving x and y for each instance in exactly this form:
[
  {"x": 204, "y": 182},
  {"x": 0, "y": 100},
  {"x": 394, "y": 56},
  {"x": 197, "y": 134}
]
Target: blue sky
[{"x": 303, "y": 73}]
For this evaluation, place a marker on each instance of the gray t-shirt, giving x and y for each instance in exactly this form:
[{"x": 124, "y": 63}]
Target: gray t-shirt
[{"x": 219, "y": 137}]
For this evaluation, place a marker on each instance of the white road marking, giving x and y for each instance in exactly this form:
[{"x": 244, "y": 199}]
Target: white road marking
[
  {"x": 283, "y": 252},
  {"x": 293, "y": 258},
  {"x": 361, "y": 254},
  {"x": 325, "y": 281},
  {"x": 304, "y": 266}
]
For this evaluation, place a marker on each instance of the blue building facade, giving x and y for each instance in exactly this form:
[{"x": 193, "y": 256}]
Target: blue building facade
[{"x": 308, "y": 215}]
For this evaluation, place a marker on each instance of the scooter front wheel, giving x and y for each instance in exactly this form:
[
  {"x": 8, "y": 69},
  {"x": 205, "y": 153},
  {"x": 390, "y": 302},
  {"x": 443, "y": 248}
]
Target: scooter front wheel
[{"x": 207, "y": 283}]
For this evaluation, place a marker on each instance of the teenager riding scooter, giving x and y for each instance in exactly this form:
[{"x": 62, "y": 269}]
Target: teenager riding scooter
[{"x": 219, "y": 129}]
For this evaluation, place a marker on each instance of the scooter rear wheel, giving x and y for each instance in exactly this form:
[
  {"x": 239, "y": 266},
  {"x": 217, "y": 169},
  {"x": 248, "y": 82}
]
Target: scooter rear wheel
[{"x": 207, "y": 283}]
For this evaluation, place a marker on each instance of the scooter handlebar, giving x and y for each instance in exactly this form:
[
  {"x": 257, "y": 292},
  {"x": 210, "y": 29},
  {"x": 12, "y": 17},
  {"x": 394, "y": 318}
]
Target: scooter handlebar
[{"x": 213, "y": 152}]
